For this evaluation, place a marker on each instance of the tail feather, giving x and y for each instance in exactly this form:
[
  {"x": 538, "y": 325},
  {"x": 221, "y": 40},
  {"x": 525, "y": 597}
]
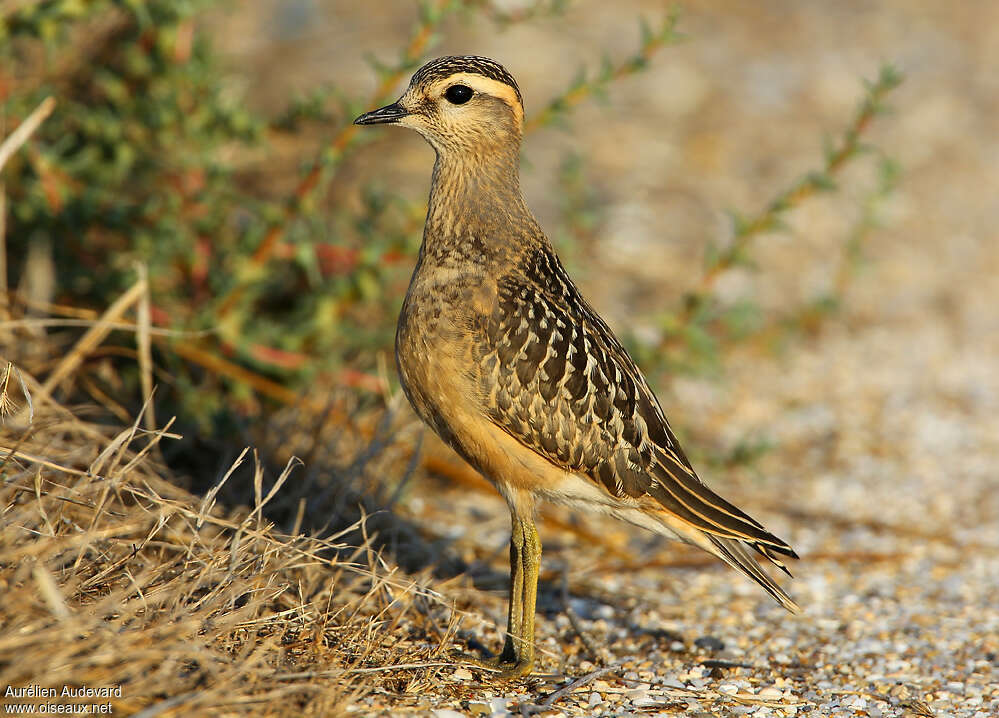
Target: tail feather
[
  {"x": 733, "y": 551},
  {"x": 768, "y": 553},
  {"x": 679, "y": 491},
  {"x": 736, "y": 554}
]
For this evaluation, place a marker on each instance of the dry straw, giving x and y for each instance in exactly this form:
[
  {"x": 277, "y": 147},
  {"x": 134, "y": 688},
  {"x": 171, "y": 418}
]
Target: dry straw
[{"x": 113, "y": 576}]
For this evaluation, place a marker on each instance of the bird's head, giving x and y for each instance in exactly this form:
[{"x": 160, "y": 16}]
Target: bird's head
[{"x": 460, "y": 104}]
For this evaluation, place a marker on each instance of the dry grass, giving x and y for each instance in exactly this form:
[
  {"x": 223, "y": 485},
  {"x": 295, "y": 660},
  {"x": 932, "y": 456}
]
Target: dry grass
[{"x": 113, "y": 576}]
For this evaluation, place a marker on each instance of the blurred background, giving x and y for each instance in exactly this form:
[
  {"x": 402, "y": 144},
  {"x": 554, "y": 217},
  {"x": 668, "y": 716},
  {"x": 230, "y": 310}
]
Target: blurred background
[{"x": 787, "y": 211}]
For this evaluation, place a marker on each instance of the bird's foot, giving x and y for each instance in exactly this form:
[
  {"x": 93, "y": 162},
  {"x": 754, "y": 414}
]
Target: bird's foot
[{"x": 501, "y": 666}]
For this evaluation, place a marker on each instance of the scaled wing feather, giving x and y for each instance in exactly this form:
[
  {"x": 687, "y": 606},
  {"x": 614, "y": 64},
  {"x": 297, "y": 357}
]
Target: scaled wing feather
[{"x": 561, "y": 384}]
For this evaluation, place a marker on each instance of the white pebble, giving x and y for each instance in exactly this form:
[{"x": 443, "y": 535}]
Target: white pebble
[
  {"x": 855, "y": 702},
  {"x": 771, "y": 694},
  {"x": 637, "y": 694},
  {"x": 604, "y": 611}
]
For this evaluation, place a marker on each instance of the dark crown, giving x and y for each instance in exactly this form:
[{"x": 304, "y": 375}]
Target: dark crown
[{"x": 446, "y": 66}]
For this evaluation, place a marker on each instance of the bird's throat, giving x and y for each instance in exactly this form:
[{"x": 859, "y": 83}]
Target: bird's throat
[{"x": 476, "y": 196}]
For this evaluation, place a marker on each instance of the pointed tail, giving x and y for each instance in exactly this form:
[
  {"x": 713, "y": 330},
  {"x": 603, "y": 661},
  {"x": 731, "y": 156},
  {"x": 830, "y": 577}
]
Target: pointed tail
[{"x": 736, "y": 554}]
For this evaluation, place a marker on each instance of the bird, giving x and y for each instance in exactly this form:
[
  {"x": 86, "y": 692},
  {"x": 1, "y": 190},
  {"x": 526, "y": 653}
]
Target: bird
[{"x": 500, "y": 354}]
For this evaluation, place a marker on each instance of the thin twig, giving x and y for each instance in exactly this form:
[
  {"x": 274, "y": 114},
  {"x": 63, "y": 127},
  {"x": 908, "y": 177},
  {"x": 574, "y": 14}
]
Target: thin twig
[
  {"x": 591, "y": 648},
  {"x": 127, "y": 326},
  {"x": 565, "y": 690},
  {"x": 4, "y": 302},
  {"x": 94, "y": 336},
  {"x": 144, "y": 343},
  {"x": 584, "y": 87},
  {"x": 769, "y": 219},
  {"x": 24, "y": 130}
]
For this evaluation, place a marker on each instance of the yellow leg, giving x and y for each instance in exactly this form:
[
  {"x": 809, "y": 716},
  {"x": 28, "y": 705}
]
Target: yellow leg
[
  {"x": 515, "y": 615},
  {"x": 517, "y": 657}
]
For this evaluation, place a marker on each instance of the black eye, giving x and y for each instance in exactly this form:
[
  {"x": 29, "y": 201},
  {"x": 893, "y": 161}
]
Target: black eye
[{"x": 458, "y": 94}]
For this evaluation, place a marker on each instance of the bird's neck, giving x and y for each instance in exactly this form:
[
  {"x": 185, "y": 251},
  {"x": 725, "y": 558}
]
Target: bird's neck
[{"x": 477, "y": 200}]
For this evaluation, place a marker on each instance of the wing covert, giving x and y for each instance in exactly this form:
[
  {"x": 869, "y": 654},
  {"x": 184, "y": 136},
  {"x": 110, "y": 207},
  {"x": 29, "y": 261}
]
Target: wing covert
[{"x": 558, "y": 381}]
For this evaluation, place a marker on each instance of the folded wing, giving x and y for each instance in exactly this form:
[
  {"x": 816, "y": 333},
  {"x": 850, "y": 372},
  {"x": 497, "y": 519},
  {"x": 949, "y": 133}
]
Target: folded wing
[{"x": 560, "y": 383}]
